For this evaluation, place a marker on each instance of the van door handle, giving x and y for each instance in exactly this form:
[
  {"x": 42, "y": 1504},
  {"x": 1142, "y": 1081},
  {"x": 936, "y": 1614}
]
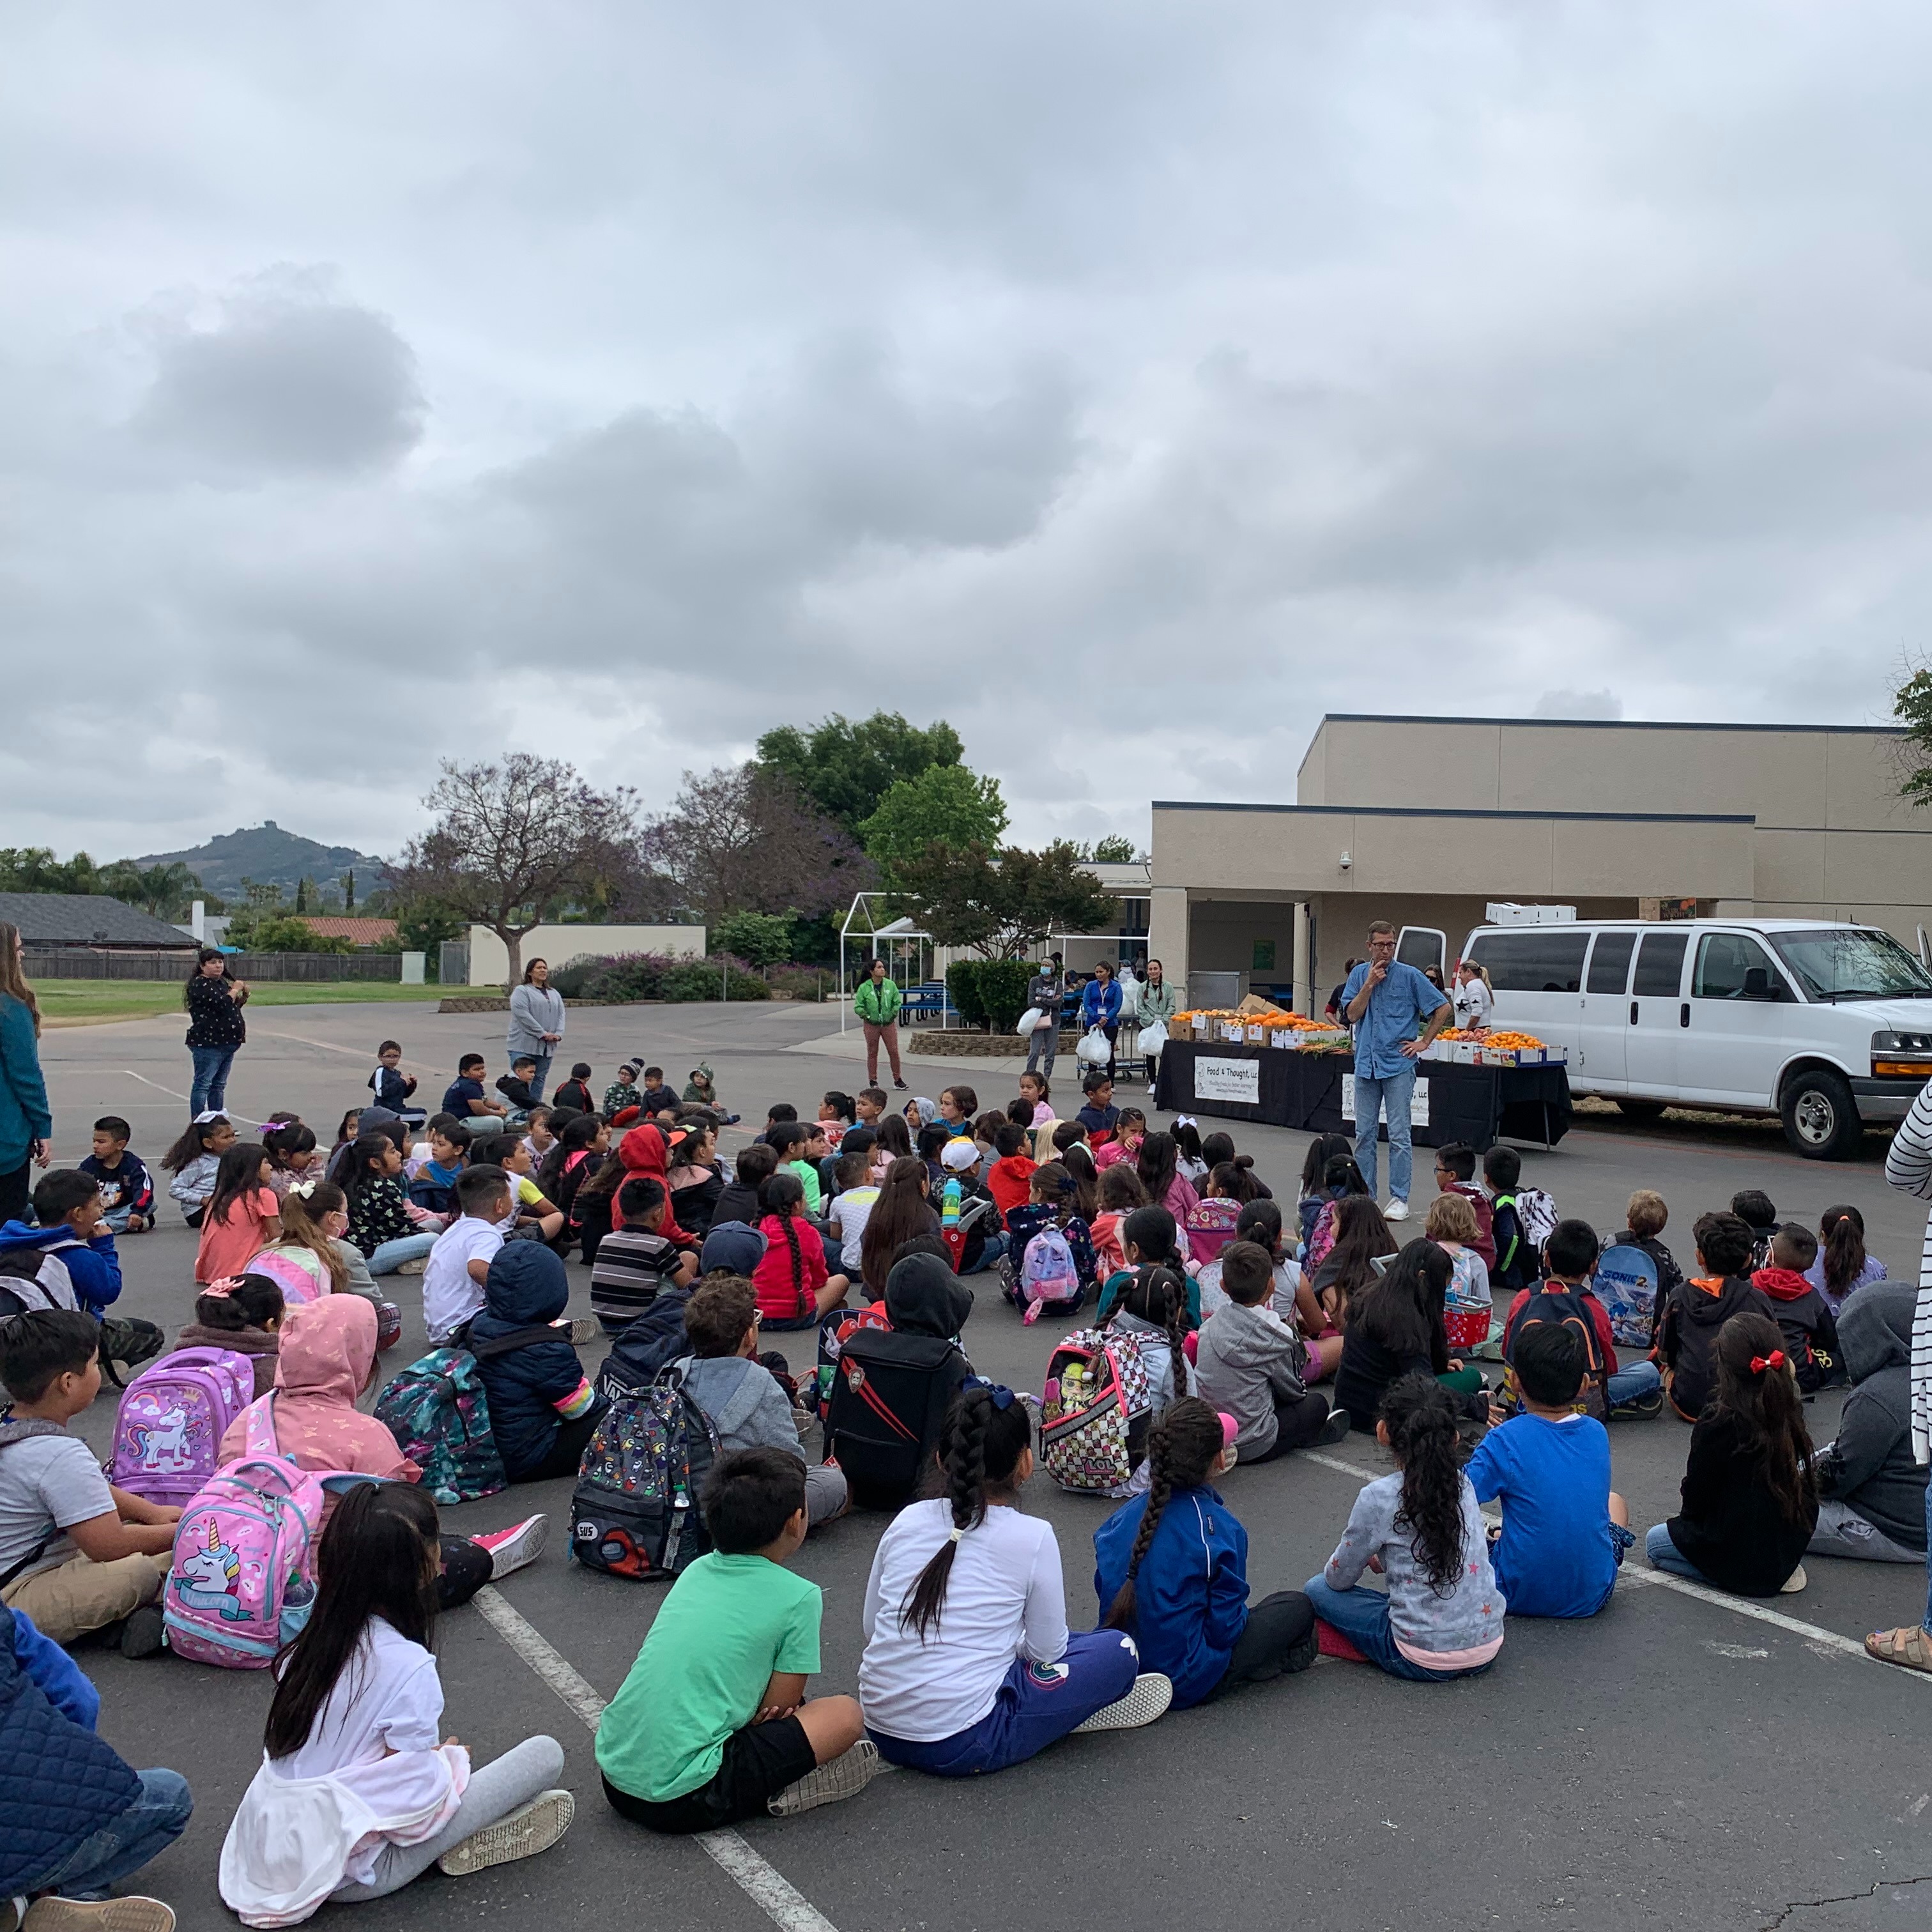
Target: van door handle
[
  {"x": 1633, "y": 1013},
  {"x": 1684, "y": 1014}
]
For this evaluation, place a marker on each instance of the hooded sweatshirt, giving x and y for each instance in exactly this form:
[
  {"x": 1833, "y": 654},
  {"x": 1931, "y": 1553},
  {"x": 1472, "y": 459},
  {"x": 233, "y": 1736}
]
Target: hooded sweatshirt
[
  {"x": 1245, "y": 1356},
  {"x": 746, "y": 1405},
  {"x": 1869, "y": 1466},
  {"x": 642, "y": 1151},
  {"x": 533, "y": 1390},
  {"x": 1801, "y": 1312},
  {"x": 924, "y": 1296},
  {"x": 1009, "y": 1181},
  {"x": 93, "y": 1266},
  {"x": 1686, "y": 1339}
]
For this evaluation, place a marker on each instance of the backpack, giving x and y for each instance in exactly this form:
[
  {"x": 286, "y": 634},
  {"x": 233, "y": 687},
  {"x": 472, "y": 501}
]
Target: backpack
[
  {"x": 1565, "y": 1305},
  {"x": 438, "y": 1412},
  {"x": 238, "y": 1587},
  {"x": 634, "y": 1512},
  {"x": 1627, "y": 1285},
  {"x": 1048, "y": 1274},
  {"x": 1100, "y": 1403},
  {"x": 297, "y": 1284},
  {"x": 1537, "y": 1211},
  {"x": 167, "y": 1435},
  {"x": 645, "y": 1348},
  {"x": 889, "y": 1396},
  {"x": 34, "y": 1278}
]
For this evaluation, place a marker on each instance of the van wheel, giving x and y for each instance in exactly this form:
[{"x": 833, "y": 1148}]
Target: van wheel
[
  {"x": 1640, "y": 1110},
  {"x": 1821, "y": 1119}
]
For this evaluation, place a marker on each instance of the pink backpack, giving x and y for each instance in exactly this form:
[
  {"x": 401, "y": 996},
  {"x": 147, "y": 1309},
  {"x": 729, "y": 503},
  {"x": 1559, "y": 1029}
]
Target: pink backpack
[{"x": 167, "y": 1436}]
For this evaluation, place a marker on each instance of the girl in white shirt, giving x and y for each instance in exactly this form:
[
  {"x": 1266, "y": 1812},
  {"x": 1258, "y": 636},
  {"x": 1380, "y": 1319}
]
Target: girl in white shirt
[
  {"x": 969, "y": 1665},
  {"x": 358, "y": 1792}
]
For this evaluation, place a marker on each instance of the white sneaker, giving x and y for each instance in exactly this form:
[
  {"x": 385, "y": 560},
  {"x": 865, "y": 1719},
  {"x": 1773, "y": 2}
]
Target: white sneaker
[
  {"x": 1792, "y": 1584},
  {"x": 845, "y": 1777},
  {"x": 1396, "y": 1210},
  {"x": 129, "y": 1914},
  {"x": 415, "y": 1267},
  {"x": 1150, "y": 1697},
  {"x": 529, "y": 1829},
  {"x": 510, "y": 1549}
]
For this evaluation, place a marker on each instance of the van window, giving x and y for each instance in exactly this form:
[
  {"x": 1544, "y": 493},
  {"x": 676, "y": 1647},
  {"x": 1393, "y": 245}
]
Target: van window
[
  {"x": 1734, "y": 966},
  {"x": 1609, "y": 963},
  {"x": 1533, "y": 959},
  {"x": 1659, "y": 965}
]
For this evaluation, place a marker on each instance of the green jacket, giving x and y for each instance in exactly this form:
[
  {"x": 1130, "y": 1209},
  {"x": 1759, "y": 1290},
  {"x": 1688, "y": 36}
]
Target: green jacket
[
  {"x": 24, "y": 1117},
  {"x": 1158, "y": 1003},
  {"x": 876, "y": 1006}
]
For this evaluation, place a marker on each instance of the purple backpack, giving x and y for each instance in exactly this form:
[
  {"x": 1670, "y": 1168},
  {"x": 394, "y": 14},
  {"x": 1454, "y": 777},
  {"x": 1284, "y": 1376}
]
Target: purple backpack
[{"x": 167, "y": 1437}]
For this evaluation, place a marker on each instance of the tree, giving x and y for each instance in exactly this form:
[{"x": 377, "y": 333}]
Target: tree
[
  {"x": 746, "y": 840},
  {"x": 512, "y": 843},
  {"x": 946, "y": 805},
  {"x": 1912, "y": 706},
  {"x": 347, "y": 882},
  {"x": 1000, "y": 905},
  {"x": 764, "y": 938},
  {"x": 846, "y": 769},
  {"x": 34, "y": 868},
  {"x": 302, "y": 896},
  {"x": 1116, "y": 849},
  {"x": 281, "y": 932}
]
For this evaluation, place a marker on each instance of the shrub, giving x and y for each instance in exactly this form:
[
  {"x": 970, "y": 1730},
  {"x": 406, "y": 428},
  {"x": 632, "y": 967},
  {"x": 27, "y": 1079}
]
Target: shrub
[
  {"x": 962, "y": 987},
  {"x": 622, "y": 977},
  {"x": 1002, "y": 990},
  {"x": 706, "y": 979},
  {"x": 802, "y": 983}
]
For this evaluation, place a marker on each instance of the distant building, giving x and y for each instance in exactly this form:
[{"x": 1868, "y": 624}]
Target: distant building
[
  {"x": 357, "y": 932},
  {"x": 89, "y": 919}
]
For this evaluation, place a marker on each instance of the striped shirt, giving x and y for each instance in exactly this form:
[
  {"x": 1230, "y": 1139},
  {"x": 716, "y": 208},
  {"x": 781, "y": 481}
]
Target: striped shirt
[
  {"x": 1908, "y": 1167},
  {"x": 631, "y": 1266}
]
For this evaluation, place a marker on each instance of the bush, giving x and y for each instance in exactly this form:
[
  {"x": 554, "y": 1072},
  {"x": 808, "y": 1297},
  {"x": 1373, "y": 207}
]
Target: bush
[
  {"x": 1002, "y": 990},
  {"x": 802, "y": 983},
  {"x": 623, "y": 977},
  {"x": 962, "y": 988},
  {"x": 703, "y": 980}
]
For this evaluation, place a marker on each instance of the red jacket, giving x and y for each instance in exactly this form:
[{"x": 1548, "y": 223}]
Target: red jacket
[
  {"x": 642, "y": 1151},
  {"x": 1009, "y": 1181},
  {"x": 785, "y": 1293}
]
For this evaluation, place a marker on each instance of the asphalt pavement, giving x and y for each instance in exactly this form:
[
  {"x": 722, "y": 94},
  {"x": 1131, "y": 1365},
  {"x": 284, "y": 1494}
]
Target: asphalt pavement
[{"x": 1681, "y": 1760}]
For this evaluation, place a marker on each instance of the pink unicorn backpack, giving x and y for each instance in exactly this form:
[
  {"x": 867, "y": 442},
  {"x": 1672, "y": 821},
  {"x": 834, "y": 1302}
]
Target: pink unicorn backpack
[
  {"x": 297, "y": 1284},
  {"x": 167, "y": 1435}
]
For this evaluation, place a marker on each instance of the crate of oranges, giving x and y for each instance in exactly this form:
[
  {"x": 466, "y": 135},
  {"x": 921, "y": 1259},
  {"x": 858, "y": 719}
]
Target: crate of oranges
[{"x": 1505, "y": 1048}]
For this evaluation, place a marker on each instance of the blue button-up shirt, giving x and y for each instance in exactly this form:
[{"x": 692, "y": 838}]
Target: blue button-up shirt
[{"x": 1395, "y": 1011}]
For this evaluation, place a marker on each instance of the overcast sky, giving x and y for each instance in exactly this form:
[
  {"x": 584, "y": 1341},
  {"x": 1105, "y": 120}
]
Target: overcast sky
[{"x": 1128, "y": 384}]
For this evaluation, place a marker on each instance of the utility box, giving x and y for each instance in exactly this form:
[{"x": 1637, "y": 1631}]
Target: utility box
[
  {"x": 413, "y": 964},
  {"x": 1507, "y": 912}
]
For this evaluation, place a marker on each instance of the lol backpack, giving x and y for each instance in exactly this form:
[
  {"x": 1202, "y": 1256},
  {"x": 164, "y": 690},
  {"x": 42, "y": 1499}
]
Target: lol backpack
[
  {"x": 1561, "y": 1305},
  {"x": 1626, "y": 1283},
  {"x": 1048, "y": 1278},
  {"x": 1100, "y": 1403},
  {"x": 635, "y": 1512},
  {"x": 167, "y": 1436},
  {"x": 437, "y": 1411}
]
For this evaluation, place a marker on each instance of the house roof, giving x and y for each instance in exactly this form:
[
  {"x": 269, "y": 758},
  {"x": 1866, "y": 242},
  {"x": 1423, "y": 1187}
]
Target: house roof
[
  {"x": 357, "y": 932},
  {"x": 88, "y": 918}
]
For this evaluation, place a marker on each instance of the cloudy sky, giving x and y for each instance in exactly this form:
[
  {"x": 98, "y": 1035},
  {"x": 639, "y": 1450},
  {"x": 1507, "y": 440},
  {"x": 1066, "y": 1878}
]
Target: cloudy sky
[{"x": 1128, "y": 384}]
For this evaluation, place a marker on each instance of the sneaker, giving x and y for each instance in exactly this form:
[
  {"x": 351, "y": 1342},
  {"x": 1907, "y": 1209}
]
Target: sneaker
[
  {"x": 511, "y": 1548},
  {"x": 415, "y": 1267},
  {"x": 584, "y": 1328},
  {"x": 1150, "y": 1697},
  {"x": 1336, "y": 1429},
  {"x": 95, "y": 1914},
  {"x": 529, "y": 1829},
  {"x": 1792, "y": 1584},
  {"x": 142, "y": 1633},
  {"x": 1396, "y": 1210},
  {"x": 1652, "y": 1404},
  {"x": 388, "y": 1325},
  {"x": 845, "y": 1777}
]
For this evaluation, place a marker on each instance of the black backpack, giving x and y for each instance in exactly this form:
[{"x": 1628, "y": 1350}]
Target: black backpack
[
  {"x": 1561, "y": 1305},
  {"x": 646, "y": 1347},
  {"x": 635, "y": 1512},
  {"x": 889, "y": 1392}
]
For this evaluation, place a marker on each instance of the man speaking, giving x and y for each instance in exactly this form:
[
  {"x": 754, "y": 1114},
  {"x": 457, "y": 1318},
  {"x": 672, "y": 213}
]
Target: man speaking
[{"x": 1384, "y": 1001}]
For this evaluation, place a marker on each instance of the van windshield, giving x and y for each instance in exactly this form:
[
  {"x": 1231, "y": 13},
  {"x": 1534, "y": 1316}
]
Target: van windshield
[{"x": 1858, "y": 964}]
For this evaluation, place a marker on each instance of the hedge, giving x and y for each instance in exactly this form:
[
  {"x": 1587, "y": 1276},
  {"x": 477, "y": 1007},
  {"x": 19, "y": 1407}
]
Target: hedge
[
  {"x": 962, "y": 988},
  {"x": 623, "y": 977}
]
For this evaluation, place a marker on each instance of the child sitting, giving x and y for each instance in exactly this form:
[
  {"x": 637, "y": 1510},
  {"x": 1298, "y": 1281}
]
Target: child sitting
[
  {"x": 1569, "y": 1262},
  {"x": 747, "y": 1406},
  {"x": 78, "y": 1554},
  {"x": 1171, "y": 1571},
  {"x": 575, "y": 1092},
  {"x": 621, "y": 1096},
  {"x": 194, "y": 1160},
  {"x": 1210, "y": 1223},
  {"x": 537, "y": 1215},
  {"x": 292, "y": 1153},
  {"x": 392, "y": 1236},
  {"x": 127, "y": 1193},
  {"x": 1442, "y": 1616},
  {"x": 542, "y": 1409},
  {"x": 1149, "y": 1238},
  {"x": 240, "y": 1315},
  {"x": 1035, "y": 1091},
  {"x": 243, "y": 1216},
  {"x": 1456, "y": 1173},
  {"x": 1871, "y": 1489},
  {"x": 636, "y": 1261},
  {"x": 1100, "y": 1116},
  {"x": 969, "y": 1667},
  {"x": 1687, "y": 1337},
  {"x": 1316, "y": 1192},
  {"x": 1009, "y": 1179},
  {"x": 700, "y": 1091},
  {"x": 1756, "y": 1209},
  {"x": 795, "y": 1288},
  {"x": 1053, "y": 1203},
  {"x": 654, "y": 1097},
  {"x": 1517, "y": 1261},
  {"x": 1190, "y": 1151},
  {"x": 519, "y": 1095},
  {"x": 1252, "y": 1363},
  {"x": 851, "y": 1207},
  {"x": 1811, "y": 1335},
  {"x": 1750, "y": 1495},
  {"x": 1564, "y": 1529},
  {"x": 1646, "y": 1215},
  {"x": 433, "y": 1167},
  {"x": 713, "y": 1723},
  {"x": 1119, "y": 1194},
  {"x": 836, "y": 1112},
  {"x": 1395, "y": 1329},
  {"x": 459, "y": 1264},
  {"x": 1841, "y": 1266},
  {"x": 391, "y": 1086},
  {"x": 1341, "y": 1183},
  {"x": 1467, "y": 1309},
  {"x": 357, "y": 1710},
  {"x": 1150, "y": 1310},
  {"x": 1129, "y": 1132},
  {"x": 464, "y": 1096}
]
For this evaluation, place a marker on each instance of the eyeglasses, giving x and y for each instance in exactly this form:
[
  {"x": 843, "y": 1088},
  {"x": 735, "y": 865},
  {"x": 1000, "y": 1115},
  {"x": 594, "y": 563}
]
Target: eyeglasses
[{"x": 1002, "y": 1395}]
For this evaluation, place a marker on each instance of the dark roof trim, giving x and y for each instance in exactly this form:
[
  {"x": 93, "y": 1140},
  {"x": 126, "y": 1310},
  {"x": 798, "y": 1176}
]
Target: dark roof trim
[
  {"x": 1593, "y": 724},
  {"x": 1451, "y": 812}
]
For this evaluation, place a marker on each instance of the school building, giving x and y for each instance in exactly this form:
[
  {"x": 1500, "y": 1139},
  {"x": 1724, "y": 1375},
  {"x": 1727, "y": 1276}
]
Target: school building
[{"x": 1425, "y": 820}]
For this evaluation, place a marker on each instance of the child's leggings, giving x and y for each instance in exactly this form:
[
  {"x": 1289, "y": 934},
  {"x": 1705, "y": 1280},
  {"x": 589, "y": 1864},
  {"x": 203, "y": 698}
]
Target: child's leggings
[
  {"x": 1037, "y": 1705},
  {"x": 494, "y": 1792}
]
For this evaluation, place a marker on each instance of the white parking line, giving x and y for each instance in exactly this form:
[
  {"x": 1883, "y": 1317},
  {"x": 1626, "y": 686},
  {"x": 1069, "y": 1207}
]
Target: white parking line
[{"x": 760, "y": 1881}]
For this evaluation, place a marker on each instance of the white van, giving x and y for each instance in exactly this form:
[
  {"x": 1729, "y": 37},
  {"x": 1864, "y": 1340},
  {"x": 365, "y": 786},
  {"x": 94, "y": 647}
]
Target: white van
[{"x": 1828, "y": 1025}]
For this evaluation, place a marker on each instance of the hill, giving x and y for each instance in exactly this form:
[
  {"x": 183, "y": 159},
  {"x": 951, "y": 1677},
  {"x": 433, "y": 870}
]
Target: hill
[{"x": 270, "y": 855}]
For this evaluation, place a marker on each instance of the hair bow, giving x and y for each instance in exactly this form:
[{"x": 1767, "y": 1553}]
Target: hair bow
[
  {"x": 213, "y": 1114},
  {"x": 1186, "y": 1121},
  {"x": 304, "y": 1188},
  {"x": 1775, "y": 1359},
  {"x": 222, "y": 1289},
  {"x": 1002, "y": 1395}
]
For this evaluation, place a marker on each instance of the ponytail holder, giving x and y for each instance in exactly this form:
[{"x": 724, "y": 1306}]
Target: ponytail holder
[
  {"x": 222, "y": 1289},
  {"x": 955, "y": 1536},
  {"x": 1775, "y": 1359}
]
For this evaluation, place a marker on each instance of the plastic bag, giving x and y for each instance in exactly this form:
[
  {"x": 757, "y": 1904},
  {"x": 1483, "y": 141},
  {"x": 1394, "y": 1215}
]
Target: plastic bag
[
  {"x": 1153, "y": 1036},
  {"x": 1093, "y": 1050},
  {"x": 1032, "y": 1018}
]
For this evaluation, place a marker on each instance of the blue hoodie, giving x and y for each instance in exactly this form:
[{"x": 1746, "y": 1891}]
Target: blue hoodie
[
  {"x": 94, "y": 1266},
  {"x": 533, "y": 1391},
  {"x": 1191, "y": 1596}
]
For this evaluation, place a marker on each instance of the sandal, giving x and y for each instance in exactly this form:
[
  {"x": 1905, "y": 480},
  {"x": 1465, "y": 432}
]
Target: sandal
[{"x": 1910, "y": 1648}]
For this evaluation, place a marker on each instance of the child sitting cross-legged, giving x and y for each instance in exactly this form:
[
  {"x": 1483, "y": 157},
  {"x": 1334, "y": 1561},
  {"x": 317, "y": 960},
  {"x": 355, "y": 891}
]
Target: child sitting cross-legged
[
  {"x": 1697, "y": 1310},
  {"x": 1442, "y": 1616},
  {"x": 459, "y": 1263},
  {"x": 1562, "y": 1292},
  {"x": 542, "y": 1408},
  {"x": 1800, "y": 1309},
  {"x": 242, "y": 1314},
  {"x": 712, "y": 1724},
  {"x": 1564, "y": 1529},
  {"x": 1252, "y": 1363},
  {"x": 1871, "y": 1489},
  {"x": 127, "y": 1193},
  {"x": 1170, "y": 1570},
  {"x": 1395, "y": 1329},
  {"x": 636, "y": 1262}
]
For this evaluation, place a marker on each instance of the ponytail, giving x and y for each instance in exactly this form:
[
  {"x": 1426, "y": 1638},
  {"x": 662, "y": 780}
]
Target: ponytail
[
  {"x": 1182, "y": 1446},
  {"x": 980, "y": 1444},
  {"x": 1844, "y": 1229},
  {"x": 1421, "y": 1420}
]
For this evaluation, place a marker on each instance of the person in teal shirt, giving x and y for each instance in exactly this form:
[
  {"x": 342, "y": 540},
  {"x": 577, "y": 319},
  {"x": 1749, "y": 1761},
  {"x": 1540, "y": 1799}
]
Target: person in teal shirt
[
  {"x": 875, "y": 1006},
  {"x": 26, "y": 1122}
]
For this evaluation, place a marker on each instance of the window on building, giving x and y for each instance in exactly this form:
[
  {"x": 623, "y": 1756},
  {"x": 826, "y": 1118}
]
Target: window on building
[
  {"x": 1609, "y": 962},
  {"x": 1533, "y": 959}
]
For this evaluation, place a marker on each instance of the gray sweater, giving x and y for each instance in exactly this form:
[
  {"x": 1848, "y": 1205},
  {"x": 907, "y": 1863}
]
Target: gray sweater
[
  {"x": 1245, "y": 1356},
  {"x": 746, "y": 1404},
  {"x": 534, "y": 1012},
  {"x": 1869, "y": 1466},
  {"x": 1468, "y": 1616}
]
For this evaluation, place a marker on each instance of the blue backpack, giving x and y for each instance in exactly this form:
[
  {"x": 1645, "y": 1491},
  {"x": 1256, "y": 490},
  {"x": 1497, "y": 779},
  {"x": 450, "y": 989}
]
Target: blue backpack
[
  {"x": 436, "y": 1410},
  {"x": 1627, "y": 1284}
]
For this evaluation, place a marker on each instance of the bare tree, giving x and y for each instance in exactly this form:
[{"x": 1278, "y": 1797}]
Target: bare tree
[{"x": 514, "y": 843}]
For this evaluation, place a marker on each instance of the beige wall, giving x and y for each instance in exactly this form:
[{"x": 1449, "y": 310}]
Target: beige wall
[{"x": 489, "y": 958}]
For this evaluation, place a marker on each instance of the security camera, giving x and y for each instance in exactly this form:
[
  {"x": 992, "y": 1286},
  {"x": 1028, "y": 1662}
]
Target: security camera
[{"x": 1347, "y": 860}]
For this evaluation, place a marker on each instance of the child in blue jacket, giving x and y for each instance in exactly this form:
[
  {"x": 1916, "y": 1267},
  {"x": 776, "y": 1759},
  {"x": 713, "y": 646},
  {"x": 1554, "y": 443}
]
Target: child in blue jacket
[
  {"x": 542, "y": 1408},
  {"x": 1171, "y": 1571}
]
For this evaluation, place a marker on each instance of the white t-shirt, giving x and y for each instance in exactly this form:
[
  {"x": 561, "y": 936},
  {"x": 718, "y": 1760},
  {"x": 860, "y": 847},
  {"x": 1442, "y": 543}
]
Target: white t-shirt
[
  {"x": 1474, "y": 1003},
  {"x": 47, "y": 1483},
  {"x": 1005, "y": 1599},
  {"x": 450, "y": 1297},
  {"x": 851, "y": 1211}
]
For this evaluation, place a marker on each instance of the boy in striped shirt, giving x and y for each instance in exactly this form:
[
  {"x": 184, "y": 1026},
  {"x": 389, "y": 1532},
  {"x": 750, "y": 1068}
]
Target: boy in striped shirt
[{"x": 636, "y": 1261}]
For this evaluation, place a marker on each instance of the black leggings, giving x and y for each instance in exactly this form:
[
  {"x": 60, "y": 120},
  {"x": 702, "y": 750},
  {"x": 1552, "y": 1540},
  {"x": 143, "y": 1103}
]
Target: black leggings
[
  {"x": 565, "y": 1453},
  {"x": 465, "y": 1569},
  {"x": 1280, "y": 1637},
  {"x": 1298, "y": 1420}
]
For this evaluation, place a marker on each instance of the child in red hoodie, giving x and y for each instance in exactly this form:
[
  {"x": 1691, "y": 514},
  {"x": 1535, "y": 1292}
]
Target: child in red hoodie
[
  {"x": 1009, "y": 1179},
  {"x": 1802, "y": 1315}
]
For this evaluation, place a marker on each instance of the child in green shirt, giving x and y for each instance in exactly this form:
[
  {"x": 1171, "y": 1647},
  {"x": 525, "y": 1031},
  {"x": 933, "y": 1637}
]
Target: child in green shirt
[{"x": 712, "y": 1725}]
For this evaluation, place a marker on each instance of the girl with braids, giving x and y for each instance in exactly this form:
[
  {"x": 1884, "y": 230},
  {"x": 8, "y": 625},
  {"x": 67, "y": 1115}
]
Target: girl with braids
[
  {"x": 1442, "y": 1617},
  {"x": 794, "y": 1289},
  {"x": 969, "y": 1665},
  {"x": 1170, "y": 1569},
  {"x": 1153, "y": 1308},
  {"x": 1149, "y": 1236},
  {"x": 1750, "y": 1493}
]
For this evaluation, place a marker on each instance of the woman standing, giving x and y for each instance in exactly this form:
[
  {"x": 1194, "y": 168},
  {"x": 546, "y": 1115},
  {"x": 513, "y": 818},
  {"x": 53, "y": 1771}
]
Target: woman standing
[
  {"x": 1159, "y": 1003},
  {"x": 876, "y": 1007},
  {"x": 1474, "y": 1000},
  {"x": 1100, "y": 1007},
  {"x": 25, "y": 1124},
  {"x": 536, "y": 1022},
  {"x": 214, "y": 998}
]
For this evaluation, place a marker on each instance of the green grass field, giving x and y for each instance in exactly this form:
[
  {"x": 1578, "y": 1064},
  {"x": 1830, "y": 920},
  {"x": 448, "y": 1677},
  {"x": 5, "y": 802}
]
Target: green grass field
[{"x": 83, "y": 1000}]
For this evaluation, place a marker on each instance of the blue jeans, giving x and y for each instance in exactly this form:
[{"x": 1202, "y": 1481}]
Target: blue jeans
[
  {"x": 1370, "y": 1097},
  {"x": 540, "y": 1079},
  {"x": 996, "y": 1246},
  {"x": 1362, "y": 1616},
  {"x": 1633, "y": 1384},
  {"x": 1037, "y": 1706},
  {"x": 125, "y": 1844},
  {"x": 209, "y": 1089},
  {"x": 390, "y": 1255},
  {"x": 1664, "y": 1554}
]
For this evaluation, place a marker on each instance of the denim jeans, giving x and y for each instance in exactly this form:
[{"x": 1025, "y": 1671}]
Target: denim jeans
[
  {"x": 1362, "y": 1616},
  {"x": 540, "y": 1079},
  {"x": 390, "y": 1255},
  {"x": 1632, "y": 1384},
  {"x": 210, "y": 1088},
  {"x": 996, "y": 1246},
  {"x": 125, "y": 1844},
  {"x": 1370, "y": 1097},
  {"x": 1664, "y": 1554}
]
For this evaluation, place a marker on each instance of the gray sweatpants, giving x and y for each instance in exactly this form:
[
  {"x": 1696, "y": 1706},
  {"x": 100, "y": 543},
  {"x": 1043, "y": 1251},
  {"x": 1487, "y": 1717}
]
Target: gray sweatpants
[
  {"x": 494, "y": 1792},
  {"x": 1842, "y": 1531}
]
